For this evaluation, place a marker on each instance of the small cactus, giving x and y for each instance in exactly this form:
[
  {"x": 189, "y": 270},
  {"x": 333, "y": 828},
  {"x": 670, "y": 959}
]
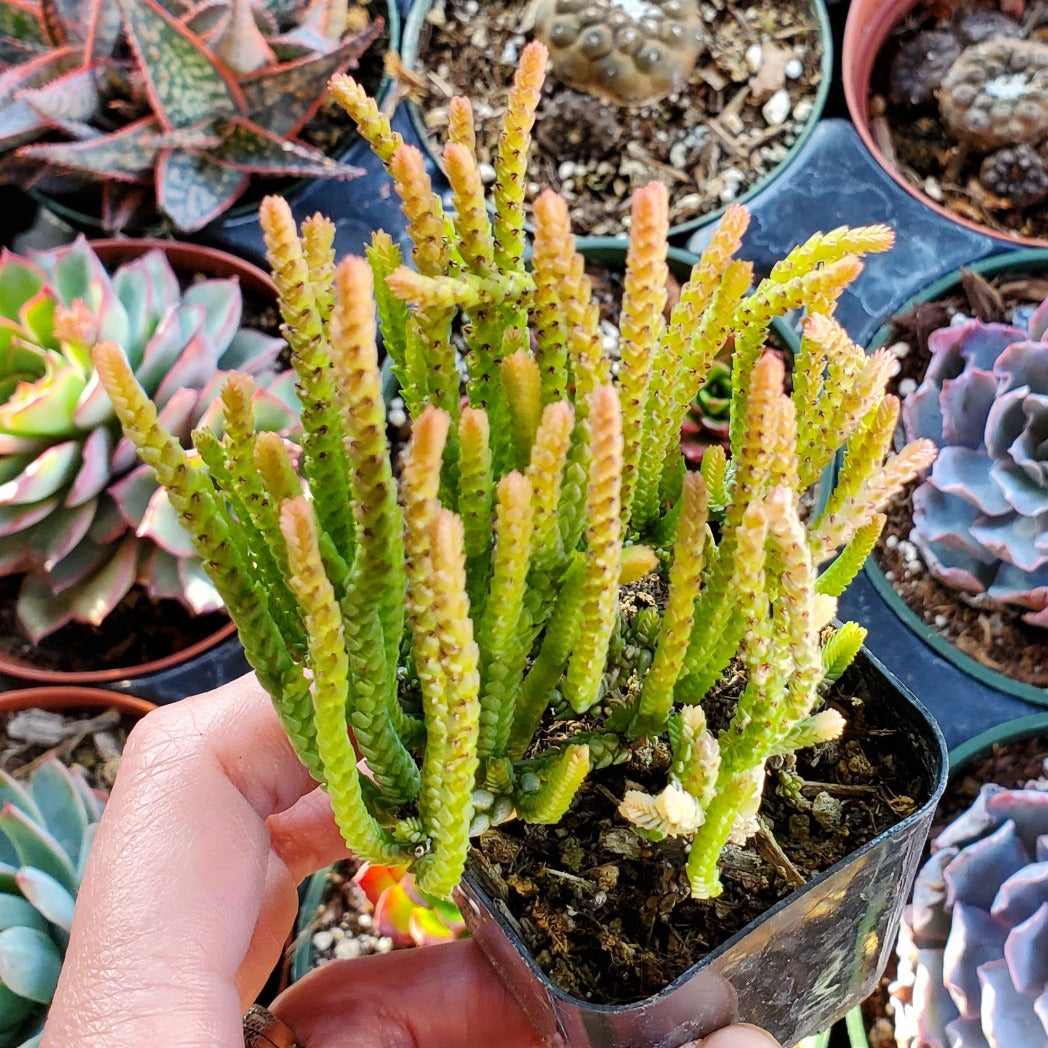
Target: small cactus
[
  {"x": 981, "y": 516},
  {"x": 47, "y": 825},
  {"x": 973, "y": 950},
  {"x": 80, "y": 518}
]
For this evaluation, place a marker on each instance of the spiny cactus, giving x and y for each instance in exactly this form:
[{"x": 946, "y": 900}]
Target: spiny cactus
[
  {"x": 981, "y": 517},
  {"x": 454, "y": 622},
  {"x": 80, "y": 517},
  {"x": 973, "y": 951},
  {"x": 47, "y": 825},
  {"x": 169, "y": 105}
]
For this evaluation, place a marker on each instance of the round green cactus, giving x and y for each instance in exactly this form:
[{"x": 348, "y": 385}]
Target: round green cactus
[
  {"x": 47, "y": 825},
  {"x": 80, "y": 517}
]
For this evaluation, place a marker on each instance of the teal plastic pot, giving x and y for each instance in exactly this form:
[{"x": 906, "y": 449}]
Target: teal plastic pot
[
  {"x": 961, "y": 757},
  {"x": 415, "y": 27},
  {"x": 1025, "y": 261}
]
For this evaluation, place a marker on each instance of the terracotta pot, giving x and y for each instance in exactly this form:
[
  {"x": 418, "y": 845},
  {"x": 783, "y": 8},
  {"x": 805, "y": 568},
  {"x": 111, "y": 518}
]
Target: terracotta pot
[
  {"x": 65, "y": 698},
  {"x": 795, "y": 969},
  {"x": 869, "y": 24},
  {"x": 191, "y": 258}
]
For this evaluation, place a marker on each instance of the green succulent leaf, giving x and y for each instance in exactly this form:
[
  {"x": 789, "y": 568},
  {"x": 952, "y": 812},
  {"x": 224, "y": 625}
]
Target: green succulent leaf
[
  {"x": 14, "y": 792},
  {"x": 192, "y": 190},
  {"x": 36, "y": 847},
  {"x": 16, "y": 912},
  {"x": 283, "y": 99},
  {"x": 248, "y": 147},
  {"x": 185, "y": 83},
  {"x": 58, "y": 799},
  {"x": 20, "y": 281},
  {"x": 46, "y": 896},
  {"x": 29, "y": 963},
  {"x": 14, "y": 1010}
]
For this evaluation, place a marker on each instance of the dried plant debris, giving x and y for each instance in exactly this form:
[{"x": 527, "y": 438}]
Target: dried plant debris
[
  {"x": 960, "y": 108},
  {"x": 749, "y": 95}
]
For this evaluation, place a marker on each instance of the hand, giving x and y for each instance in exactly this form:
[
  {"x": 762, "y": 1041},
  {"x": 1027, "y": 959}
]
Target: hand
[{"x": 191, "y": 891}]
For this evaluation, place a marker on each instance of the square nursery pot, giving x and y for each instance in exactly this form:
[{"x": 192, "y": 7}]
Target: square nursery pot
[{"x": 796, "y": 969}]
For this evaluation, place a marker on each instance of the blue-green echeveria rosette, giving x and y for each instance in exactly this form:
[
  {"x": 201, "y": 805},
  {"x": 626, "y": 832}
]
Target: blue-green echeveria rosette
[
  {"x": 981, "y": 516},
  {"x": 80, "y": 516},
  {"x": 973, "y": 949}
]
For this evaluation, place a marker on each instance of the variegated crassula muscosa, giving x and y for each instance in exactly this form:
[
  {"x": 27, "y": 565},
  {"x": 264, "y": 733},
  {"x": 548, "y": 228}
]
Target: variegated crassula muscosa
[{"x": 476, "y": 594}]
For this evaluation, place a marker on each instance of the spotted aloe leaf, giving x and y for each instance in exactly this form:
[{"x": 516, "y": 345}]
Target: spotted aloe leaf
[
  {"x": 192, "y": 190},
  {"x": 126, "y": 155},
  {"x": 20, "y": 20},
  {"x": 19, "y": 121},
  {"x": 284, "y": 98},
  {"x": 185, "y": 83},
  {"x": 248, "y": 147}
]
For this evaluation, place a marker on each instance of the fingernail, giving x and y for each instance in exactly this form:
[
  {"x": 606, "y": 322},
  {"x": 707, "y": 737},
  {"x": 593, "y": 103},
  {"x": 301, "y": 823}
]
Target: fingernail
[{"x": 740, "y": 1035}]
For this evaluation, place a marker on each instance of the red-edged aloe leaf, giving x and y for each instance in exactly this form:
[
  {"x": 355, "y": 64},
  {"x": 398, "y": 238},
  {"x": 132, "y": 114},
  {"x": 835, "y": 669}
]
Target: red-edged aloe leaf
[
  {"x": 21, "y": 20},
  {"x": 103, "y": 29},
  {"x": 34, "y": 846},
  {"x": 65, "y": 20},
  {"x": 205, "y": 18},
  {"x": 42, "y": 612},
  {"x": 192, "y": 190},
  {"x": 68, "y": 103},
  {"x": 240, "y": 44},
  {"x": 86, "y": 558},
  {"x": 126, "y": 155},
  {"x": 93, "y": 474},
  {"x": 196, "y": 138},
  {"x": 19, "y": 122},
  {"x": 47, "y": 895},
  {"x": 183, "y": 79},
  {"x": 161, "y": 524},
  {"x": 248, "y": 147},
  {"x": 283, "y": 99},
  {"x": 47, "y": 473}
]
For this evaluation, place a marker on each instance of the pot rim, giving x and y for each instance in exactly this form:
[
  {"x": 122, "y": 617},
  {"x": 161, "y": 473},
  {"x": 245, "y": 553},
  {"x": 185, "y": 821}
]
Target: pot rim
[
  {"x": 114, "y": 251},
  {"x": 1001, "y": 262},
  {"x": 71, "y": 697},
  {"x": 862, "y": 44},
  {"x": 409, "y": 54},
  {"x": 240, "y": 211},
  {"x": 938, "y": 771}
]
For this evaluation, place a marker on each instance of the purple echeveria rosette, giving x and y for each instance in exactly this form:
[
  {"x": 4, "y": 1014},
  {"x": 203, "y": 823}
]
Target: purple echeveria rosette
[
  {"x": 981, "y": 516},
  {"x": 973, "y": 948}
]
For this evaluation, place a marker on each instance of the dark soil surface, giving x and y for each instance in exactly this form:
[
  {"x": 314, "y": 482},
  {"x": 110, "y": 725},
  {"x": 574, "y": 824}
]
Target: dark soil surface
[
  {"x": 608, "y": 915},
  {"x": 1008, "y": 193},
  {"x": 710, "y": 143},
  {"x": 998, "y": 639},
  {"x": 138, "y": 630}
]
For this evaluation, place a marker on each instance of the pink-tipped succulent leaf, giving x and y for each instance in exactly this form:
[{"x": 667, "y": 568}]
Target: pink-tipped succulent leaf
[{"x": 404, "y": 912}]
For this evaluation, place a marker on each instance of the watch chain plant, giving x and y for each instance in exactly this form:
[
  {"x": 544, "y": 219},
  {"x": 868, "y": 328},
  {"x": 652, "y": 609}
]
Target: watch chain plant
[
  {"x": 168, "y": 106},
  {"x": 460, "y": 623},
  {"x": 80, "y": 517},
  {"x": 973, "y": 949},
  {"x": 981, "y": 517},
  {"x": 47, "y": 826}
]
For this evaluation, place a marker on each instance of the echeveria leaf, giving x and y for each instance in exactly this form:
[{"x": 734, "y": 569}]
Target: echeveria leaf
[
  {"x": 974, "y": 874},
  {"x": 29, "y": 963},
  {"x": 36, "y": 847},
  {"x": 63, "y": 810},
  {"x": 223, "y": 306},
  {"x": 44, "y": 476},
  {"x": 93, "y": 476},
  {"x": 47, "y": 896},
  {"x": 185, "y": 83},
  {"x": 1026, "y": 951},
  {"x": 1006, "y": 1014},
  {"x": 16, "y": 911},
  {"x": 975, "y": 937}
]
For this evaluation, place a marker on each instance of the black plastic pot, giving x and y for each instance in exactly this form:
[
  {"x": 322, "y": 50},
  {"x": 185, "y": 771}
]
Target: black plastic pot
[
  {"x": 795, "y": 970},
  {"x": 966, "y": 696},
  {"x": 961, "y": 757},
  {"x": 415, "y": 25}
]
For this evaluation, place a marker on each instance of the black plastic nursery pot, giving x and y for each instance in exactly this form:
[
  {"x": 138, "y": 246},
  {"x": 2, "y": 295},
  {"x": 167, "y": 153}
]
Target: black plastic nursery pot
[
  {"x": 413, "y": 34},
  {"x": 1020, "y": 261},
  {"x": 794, "y": 970},
  {"x": 963, "y": 757}
]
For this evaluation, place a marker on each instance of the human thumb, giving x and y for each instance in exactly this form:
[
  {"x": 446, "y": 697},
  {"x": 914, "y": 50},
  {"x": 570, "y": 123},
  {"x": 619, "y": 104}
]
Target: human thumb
[{"x": 741, "y": 1035}]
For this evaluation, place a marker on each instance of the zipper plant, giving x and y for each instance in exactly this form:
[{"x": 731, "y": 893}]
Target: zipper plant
[
  {"x": 539, "y": 588},
  {"x": 168, "y": 107}
]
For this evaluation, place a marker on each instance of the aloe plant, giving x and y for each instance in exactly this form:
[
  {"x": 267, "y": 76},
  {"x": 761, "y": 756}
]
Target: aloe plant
[
  {"x": 171, "y": 105},
  {"x": 80, "y": 517},
  {"x": 47, "y": 826},
  {"x": 449, "y": 623}
]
